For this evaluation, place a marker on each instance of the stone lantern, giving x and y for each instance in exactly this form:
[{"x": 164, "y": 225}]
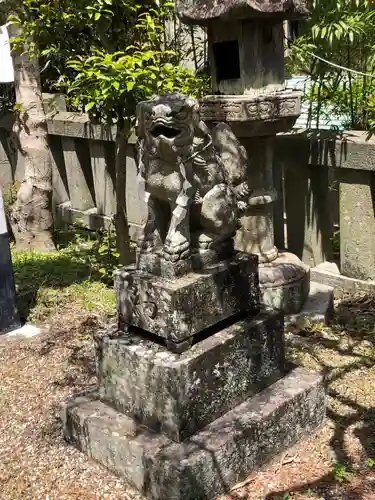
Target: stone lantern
[{"x": 246, "y": 51}]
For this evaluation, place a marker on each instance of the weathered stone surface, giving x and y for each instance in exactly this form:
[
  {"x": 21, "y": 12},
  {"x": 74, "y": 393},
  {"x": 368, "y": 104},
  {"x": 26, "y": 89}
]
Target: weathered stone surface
[
  {"x": 178, "y": 309},
  {"x": 65, "y": 214},
  {"x": 180, "y": 394},
  {"x": 309, "y": 206},
  {"x": 256, "y": 234},
  {"x": 102, "y": 156},
  {"x": 284, "y": 283},
  {"x": 251, "y": 108},
  {"x": 357, "y": 224},
  {"x": 351, "y": 149},
  {"x": 79, "y": 174},
  {"x": 210, "y": 462},
  {"x": 154, "y": 262},
  {"x": 193, "y": 195},
  {"x": 317, "y": 309},
  {"x": 327, "y": 273},
  {"x": 78, "y": 125},
  {"x": 201, "y": 11},
  {"x": 60, "y": 193}
]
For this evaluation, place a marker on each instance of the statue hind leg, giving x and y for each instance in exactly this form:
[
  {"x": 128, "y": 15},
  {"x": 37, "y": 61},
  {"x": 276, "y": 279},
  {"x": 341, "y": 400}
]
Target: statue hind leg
[{"x": 218, "y": 217}]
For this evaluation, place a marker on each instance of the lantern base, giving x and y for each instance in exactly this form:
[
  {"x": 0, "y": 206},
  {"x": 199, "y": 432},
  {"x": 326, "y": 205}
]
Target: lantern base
[{"x": 284, "y": 283}]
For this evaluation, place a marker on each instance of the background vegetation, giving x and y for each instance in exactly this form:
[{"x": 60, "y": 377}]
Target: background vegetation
[{"x": 342, "y": 32}]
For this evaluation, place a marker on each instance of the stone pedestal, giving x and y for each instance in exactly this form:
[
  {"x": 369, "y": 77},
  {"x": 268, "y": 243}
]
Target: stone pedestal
[
  {"x": 177, "y": 310},
  {"x": 179, "y": 394},
  {"x": 210, "y": 462},
  {"x": 190, "y": 424}
]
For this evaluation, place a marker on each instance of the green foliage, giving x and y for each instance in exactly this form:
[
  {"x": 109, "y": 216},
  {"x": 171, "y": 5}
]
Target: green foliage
[
  {"x": 96, "y": 249},
  {"x": 335, "y": 240},
  {"x": 106, "y": 54},
  {"x": 341, "y": 473},
  {"x": 110, "y": 85},
  {"x": 78, "y": 273},
  {"x": 310, "y": 493},
  {"x": 342, "y": 32}
]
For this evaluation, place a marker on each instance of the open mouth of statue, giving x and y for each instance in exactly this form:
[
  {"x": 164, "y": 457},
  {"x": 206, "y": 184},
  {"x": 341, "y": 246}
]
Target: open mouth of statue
[{"x": 165, "y": 131}]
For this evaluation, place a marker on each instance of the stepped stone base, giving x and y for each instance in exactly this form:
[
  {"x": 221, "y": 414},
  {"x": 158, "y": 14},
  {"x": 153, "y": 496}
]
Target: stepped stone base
[
  {"x": 213, "y": 460},
  {"x": 180, "y": 394}
]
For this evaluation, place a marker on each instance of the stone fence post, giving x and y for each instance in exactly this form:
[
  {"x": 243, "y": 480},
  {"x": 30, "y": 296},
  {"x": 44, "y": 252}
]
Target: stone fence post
[{"x": 9, "y": 317}]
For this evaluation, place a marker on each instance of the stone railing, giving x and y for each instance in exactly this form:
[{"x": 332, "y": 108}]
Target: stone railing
[
  {"x": 83, "y": 169},
  {"x": 326, "y": 182}
]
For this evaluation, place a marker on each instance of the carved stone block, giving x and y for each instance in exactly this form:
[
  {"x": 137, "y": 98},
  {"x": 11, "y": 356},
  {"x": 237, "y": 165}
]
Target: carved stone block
[
  {"x": 180, "y": 394},
  {"x": 154, "y": 263},
  {"x": 206, "y": 466},
  {"x": 251, "y": 108},
  {"x": 203, "y": 12},
  {"x": 177, "y": 309}
]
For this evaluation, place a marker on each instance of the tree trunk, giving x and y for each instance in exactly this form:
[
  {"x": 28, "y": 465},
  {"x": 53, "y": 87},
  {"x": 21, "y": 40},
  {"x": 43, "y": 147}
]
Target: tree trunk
[
  {"x": 121, "y": 218},
  {"x": 31, "y": 215}
]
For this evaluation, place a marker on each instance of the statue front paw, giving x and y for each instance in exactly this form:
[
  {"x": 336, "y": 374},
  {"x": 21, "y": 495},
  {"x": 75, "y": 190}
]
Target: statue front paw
[
  {"x": 205, "y": 241},
  {"x": 176, "y": 248}
]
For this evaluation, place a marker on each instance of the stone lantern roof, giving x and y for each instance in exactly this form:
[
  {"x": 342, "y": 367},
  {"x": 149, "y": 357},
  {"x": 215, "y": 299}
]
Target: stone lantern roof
[{"x": 204, "y": 11}]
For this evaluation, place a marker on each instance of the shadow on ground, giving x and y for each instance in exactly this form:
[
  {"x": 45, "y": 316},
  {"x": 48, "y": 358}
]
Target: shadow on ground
[{"x": 346, "y": 354}]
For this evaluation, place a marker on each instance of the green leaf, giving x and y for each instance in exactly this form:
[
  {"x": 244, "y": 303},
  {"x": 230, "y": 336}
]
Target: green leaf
[
  {"x": 89, "y": 106},
  {"x": 103, "y": 249}
]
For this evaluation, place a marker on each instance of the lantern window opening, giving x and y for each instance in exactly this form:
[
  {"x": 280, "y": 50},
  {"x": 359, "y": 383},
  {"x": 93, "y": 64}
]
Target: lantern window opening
[{"x": 227, "y": 60}]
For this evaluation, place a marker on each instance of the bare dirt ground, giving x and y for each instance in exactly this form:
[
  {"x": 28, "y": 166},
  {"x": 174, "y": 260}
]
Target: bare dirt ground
[{"x": 37, "y": 374}]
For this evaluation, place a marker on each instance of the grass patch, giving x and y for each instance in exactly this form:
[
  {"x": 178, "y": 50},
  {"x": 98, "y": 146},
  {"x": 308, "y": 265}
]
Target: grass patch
[
  {"x": 76, "y": 277},
  {"x": 90, "y": 296}
]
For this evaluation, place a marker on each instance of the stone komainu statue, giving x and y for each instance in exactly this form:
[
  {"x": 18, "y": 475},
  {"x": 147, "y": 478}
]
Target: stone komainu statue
[{"x": 194, "y": 178}]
